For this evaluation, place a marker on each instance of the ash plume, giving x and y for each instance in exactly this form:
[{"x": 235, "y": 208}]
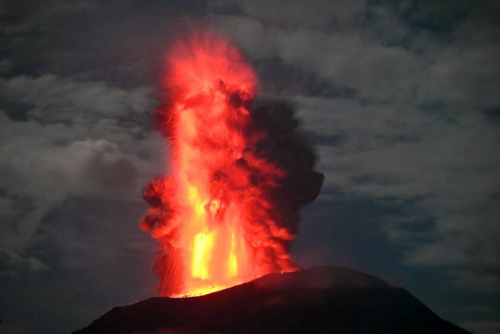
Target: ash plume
[{"x": 229, "y": 210}]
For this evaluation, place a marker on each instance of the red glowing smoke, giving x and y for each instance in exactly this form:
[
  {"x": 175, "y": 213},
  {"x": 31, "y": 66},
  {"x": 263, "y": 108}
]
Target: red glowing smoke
[{"x": 228, "y": 210}]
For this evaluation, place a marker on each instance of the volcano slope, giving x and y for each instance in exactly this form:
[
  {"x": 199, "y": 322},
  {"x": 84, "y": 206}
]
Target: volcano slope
[{"x": 317, "y": 300}]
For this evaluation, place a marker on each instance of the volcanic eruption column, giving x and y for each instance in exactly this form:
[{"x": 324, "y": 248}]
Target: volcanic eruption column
[{"x": 228, "y": 209}]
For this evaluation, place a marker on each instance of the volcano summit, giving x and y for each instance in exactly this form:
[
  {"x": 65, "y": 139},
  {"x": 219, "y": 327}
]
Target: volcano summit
[{"x": 318, "y": 300}]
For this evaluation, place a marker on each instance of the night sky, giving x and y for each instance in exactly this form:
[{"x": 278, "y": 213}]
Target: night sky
[{"x": 401, "y": 98}]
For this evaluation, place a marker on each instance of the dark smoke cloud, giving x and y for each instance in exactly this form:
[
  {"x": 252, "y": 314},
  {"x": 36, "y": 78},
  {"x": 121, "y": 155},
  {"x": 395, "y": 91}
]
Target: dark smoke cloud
[{"x": 291, "y": 151}]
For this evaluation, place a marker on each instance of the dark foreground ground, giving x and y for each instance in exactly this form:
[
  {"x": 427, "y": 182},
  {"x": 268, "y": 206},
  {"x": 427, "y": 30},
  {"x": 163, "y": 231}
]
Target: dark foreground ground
[{"x": 318, "y": 300}]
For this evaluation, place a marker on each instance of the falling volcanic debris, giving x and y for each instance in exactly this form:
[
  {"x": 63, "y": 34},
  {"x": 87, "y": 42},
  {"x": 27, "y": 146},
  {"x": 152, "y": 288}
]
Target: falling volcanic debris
[{"x": 228, "y": 209}]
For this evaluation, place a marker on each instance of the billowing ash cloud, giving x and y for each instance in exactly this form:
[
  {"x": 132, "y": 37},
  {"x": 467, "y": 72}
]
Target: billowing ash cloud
[
  {"x": 292, "y": 152},
  {"x": 229, "y": 210}
]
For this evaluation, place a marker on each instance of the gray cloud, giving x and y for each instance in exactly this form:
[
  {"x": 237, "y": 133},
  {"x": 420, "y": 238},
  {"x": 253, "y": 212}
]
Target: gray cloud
[
  {"x": 59, "y": 151},
  {"x": 481, "y": 282},
  {"x": 319, "y": 14},
  {"x": 54, "y": 99},
  {"x": 481, "y": 327}
]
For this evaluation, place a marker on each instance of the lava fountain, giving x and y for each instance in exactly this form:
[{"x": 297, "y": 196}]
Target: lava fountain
[{"x": 227, "y": 208}]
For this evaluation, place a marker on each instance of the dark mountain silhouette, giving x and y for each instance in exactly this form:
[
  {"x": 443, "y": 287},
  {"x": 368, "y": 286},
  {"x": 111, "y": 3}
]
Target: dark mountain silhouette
[{"x": 318, "y": 300}]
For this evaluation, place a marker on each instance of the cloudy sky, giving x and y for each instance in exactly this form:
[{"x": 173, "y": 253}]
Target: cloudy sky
[{"x": 401, "y": 98}]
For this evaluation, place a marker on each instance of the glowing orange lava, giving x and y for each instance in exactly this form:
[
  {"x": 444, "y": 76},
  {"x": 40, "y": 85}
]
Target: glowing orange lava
[{"x": 213, "y": 213}]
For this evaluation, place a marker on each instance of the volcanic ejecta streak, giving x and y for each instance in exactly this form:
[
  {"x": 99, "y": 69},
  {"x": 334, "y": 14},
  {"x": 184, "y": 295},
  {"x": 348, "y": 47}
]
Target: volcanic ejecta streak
[{"x": 228, "y": 209}]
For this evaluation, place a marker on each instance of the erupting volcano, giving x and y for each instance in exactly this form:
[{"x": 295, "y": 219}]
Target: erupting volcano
[{"x": 227, "y": 208}]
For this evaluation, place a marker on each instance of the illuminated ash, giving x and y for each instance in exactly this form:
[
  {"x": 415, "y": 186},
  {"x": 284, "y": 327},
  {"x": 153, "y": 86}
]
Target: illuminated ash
[{"x": 227, "y": 212}]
